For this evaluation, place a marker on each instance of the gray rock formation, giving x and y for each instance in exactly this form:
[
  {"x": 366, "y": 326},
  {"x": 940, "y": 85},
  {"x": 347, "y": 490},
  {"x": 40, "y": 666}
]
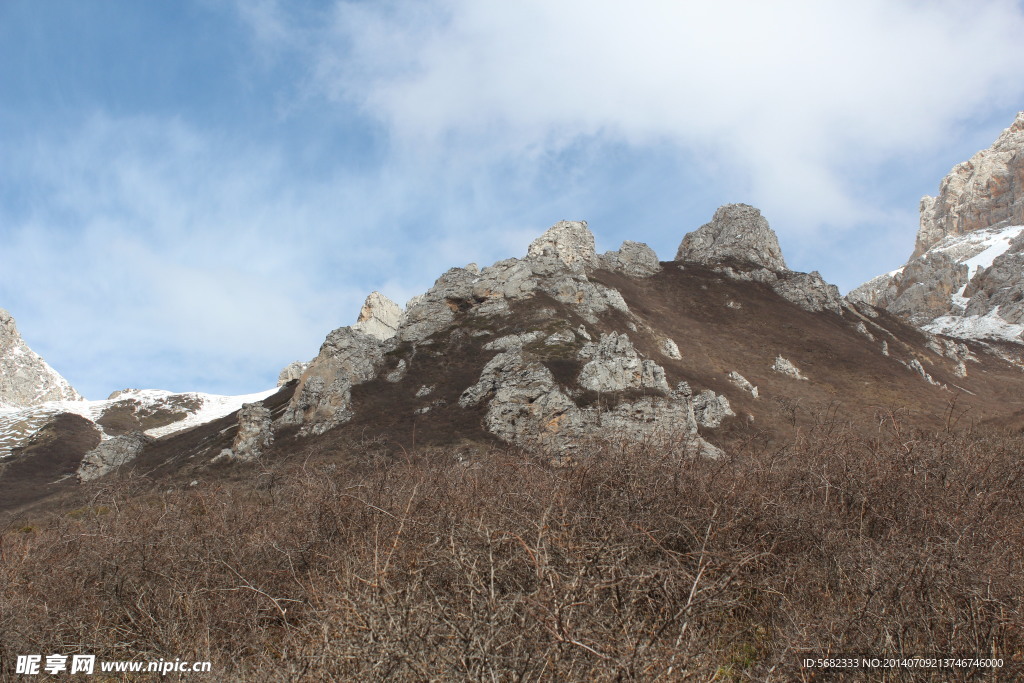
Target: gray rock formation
[
  {"x": 739, "y": 243},
  {"x": 742, "y": 382},
  {"x": 291, "y": 371},
  {"x": 255, "y": 432},
  {"x": 25, "y": 378},
  {"x": 966, "y": 275},
  {"x": 710, "y": 409},
  {"x": 379, "y": 317},
  {"x": 784, "y": 367},
  {"x": 1000, "y": 286},
  {"x": 635, "y": 259},
  {"x": 738, "y": 233},
  {"x": 614, "y": 365},
  {"x": 985, "y": 191},
  {"x": 111, "y": 454},
  {"x": 322, "y": 398},
  {"x": 670, "y": 349},
  {"x": 571, "y": 242},
  {"x": 809, "y": 291},
  {"x": 526, "y": 406}
]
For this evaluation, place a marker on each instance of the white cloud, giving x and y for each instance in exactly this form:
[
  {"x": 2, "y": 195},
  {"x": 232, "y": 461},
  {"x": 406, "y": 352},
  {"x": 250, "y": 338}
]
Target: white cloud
[{"x": 793, "y": 92}]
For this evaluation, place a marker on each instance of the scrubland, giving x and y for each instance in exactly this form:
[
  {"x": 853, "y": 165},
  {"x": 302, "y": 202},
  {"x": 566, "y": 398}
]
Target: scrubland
[{"x": 626, "y": 562}]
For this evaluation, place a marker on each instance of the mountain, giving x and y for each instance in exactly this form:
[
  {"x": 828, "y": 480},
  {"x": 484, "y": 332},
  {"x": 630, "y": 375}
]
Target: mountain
[
  {"x": 560, "y": 348},
  {"x": 25, "y": 378},
  {"x": 966, "y": 276}
]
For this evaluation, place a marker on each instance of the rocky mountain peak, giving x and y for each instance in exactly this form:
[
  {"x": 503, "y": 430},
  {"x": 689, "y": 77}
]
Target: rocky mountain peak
[
  {"x": 983, "y": 192},
  {"x": 379, "y": 316},
  {"x": 571, "y": 242},
  {"x": 737, "y": 232},
  {"x": 966, "y": 275},
  {"x": 25, "y": 378}
]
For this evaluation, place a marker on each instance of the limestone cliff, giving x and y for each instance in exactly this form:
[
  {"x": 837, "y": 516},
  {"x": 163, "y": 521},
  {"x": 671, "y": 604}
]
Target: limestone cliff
[
  {"x": 985, "y": 191},
  {"x": 966, "y": 275},
  {"x": 25, "y": 378}
]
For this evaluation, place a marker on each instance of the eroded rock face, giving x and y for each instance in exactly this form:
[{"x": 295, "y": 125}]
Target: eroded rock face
[
  {"x": 255, "y": 432},
  {"x": 985, "y": 191},
  {"x": 25, "y": 378},
  {"x": 710, "y": 409},
  {"x": 111, "y": 454},
  {"x": 526, "y": 406},
  {"x": 809, "y": 291},
  {"x": 379, "y": 316},
  {"x": 614, "y": 365},
  {"x": 635, "y": 259},
  {"x": 291, "y": 371},
  {"x": 742, "y": 382},
  {"x": 323, "y": 396},
  {"x": 571, "y": 242},
  {"x": 739, "y": 244},
  {"x": 966, "y": 275},
  {"x": 737, "y": 232},
  {"x": 1000, "y": 287}
]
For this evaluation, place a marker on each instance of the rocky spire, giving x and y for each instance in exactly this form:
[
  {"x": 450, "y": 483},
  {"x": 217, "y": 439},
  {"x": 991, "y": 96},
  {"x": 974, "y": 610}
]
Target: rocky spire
[
  {"x": 737, "y": 232},
  {"x": 571, "y": 242},
  {"x": 25, "y": 378},
  {"x": 985, "y": 191},
  {"x": 379, "y": 316}
]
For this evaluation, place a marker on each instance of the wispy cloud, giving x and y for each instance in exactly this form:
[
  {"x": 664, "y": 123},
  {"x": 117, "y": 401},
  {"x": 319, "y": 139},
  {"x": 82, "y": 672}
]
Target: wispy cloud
[
  {"x": 793, "y": 92},
  {"x": 402, "y": 138}
]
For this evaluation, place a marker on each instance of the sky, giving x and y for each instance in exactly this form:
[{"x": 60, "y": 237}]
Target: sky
[{"x": 194, "y": 193}]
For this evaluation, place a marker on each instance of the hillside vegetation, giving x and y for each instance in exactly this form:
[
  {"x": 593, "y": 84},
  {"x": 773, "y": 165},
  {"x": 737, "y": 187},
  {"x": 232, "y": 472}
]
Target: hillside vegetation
[{"x": 622, "y": 564}]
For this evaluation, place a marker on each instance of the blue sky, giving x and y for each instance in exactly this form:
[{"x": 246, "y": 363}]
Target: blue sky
[{"x": 192, "y": 194}]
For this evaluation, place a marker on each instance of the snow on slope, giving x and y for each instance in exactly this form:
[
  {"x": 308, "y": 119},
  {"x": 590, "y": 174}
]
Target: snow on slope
[
  {"x": 988, "y": 326},
  {"x": 984, "y": 246},
  {"x": 17, "y": 425}
]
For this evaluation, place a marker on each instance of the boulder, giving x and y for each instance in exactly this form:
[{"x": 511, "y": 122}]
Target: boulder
[
  {"x": 634, "y": 259},
  {"x": 111, "y": 454},
  {"x": 736, "y": 233},
  {"x": 255, "y": 432}
]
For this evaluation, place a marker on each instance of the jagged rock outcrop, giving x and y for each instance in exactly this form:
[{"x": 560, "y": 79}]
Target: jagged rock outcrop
[
  {"x": 25, "y": 378},
  {"x": 736, "y": 233},
  {"x": 710, "y": 409},
  {"x": 784, "y": 367},
  {"x": 635, "y": 259},
  {"x": 614, "y": 365},
  {"x": 324, "y": 393},
  {"x": 526, "y": 406},
  {"x": 966, "y": 275},
  {"x": 255, "y": 432},
  {"x": 742, "y": 382},
  {"x": 379, "y": 317},
  {"x": 985, "y": 191},
  {"x": 291, "y": 371},
  {"x": 809, "y": 291},
  {"x": 571, "y": 242},
  {"x": 670, "y": 349},
  {"x": 999, "y": 287},
  {"x": 739, "y": 243},
  {"x": 111, "y": 454}
]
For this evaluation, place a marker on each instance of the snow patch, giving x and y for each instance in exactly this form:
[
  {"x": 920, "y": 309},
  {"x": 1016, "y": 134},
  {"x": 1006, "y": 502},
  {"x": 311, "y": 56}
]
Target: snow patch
[
  {"x": 17, "y": 425},
  {"x": 988, "y": 326}
]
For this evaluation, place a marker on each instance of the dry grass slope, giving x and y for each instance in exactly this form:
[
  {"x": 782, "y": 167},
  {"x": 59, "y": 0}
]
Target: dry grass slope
[{"x": 630, "y": 565}]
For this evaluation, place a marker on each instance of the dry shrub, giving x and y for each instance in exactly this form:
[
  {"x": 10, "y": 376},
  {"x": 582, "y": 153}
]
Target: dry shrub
[{"x": 629, "y": 565}]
